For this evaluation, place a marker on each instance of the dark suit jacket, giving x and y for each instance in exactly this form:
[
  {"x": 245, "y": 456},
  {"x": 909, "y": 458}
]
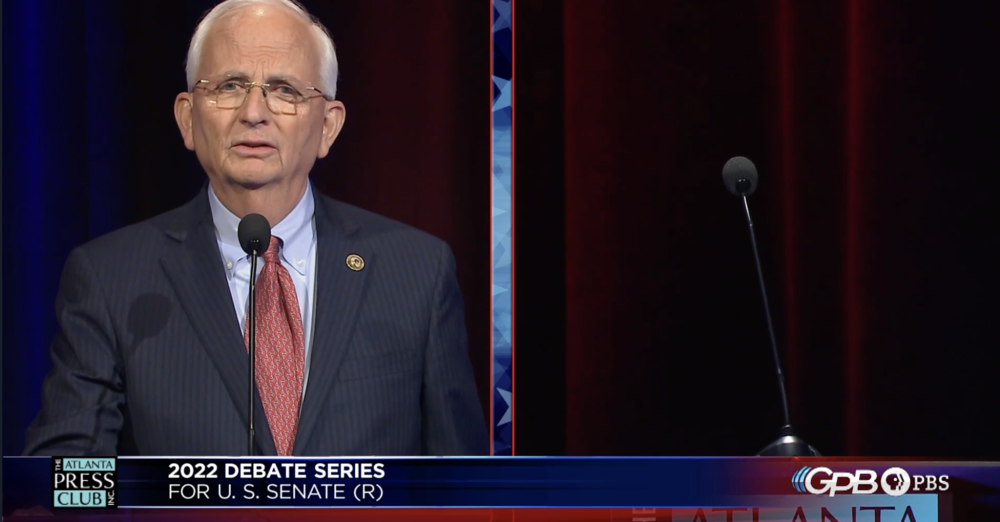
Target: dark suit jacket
[{"x": 149, "y": 358}]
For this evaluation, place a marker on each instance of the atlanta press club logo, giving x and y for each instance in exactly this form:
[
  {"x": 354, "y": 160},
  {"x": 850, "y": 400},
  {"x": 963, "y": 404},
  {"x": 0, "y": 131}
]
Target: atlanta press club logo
[
  {"x": 895, "y": 482},
  {"x": 84, "y": 482}
]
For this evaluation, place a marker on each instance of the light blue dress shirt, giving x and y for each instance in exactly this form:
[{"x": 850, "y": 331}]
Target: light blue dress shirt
[{"x": 297, "y": 233}]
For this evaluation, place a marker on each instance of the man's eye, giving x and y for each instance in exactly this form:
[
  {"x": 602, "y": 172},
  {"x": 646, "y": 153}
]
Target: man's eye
[
  {"x": 229, "y": 87},
  {"x": 285, "y": 90}
]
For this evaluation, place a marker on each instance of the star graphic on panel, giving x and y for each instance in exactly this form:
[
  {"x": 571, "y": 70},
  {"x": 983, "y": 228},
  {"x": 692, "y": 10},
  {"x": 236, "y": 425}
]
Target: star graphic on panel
[
  {"x": 502, "y": 241},
  {"x": 506, "y": 414},
  {"x": 503, "y": 15},
  {"x": 503, "y": 100}
]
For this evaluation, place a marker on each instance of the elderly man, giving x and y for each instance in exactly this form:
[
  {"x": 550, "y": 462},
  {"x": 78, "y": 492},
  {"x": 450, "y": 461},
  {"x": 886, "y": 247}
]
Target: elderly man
[{"x": 361, "y": 344}]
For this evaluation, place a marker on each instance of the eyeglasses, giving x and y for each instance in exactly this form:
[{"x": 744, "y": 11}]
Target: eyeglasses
[{"x": 281, "y": 98}]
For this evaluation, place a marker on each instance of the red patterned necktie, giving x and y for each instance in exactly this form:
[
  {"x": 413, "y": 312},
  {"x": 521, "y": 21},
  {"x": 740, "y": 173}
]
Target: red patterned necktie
[{"x": 280, "y": 349}]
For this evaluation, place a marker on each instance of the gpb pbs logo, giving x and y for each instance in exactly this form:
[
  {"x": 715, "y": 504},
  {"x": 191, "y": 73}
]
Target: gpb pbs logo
[{"x": 894, "y": 481}]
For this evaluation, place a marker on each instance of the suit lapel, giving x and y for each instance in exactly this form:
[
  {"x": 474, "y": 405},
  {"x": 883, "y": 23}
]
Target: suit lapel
[
  {"x": 339, "y": 292},
  {"x": 194, "y": 268}
]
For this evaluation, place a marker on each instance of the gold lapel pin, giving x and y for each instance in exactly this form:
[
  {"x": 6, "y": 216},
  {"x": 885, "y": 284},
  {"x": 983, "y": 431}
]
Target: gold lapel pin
[{"x": 355, "y": 262}]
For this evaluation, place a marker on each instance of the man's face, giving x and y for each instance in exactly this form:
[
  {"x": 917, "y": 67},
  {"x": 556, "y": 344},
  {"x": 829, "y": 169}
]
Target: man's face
[{"x": 251, "y": 146}]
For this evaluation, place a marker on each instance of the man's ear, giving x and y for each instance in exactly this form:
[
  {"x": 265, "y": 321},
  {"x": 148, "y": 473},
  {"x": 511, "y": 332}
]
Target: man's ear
[
  {"x": 182, "y": 113},
  {"x": 333, "y": 121}
]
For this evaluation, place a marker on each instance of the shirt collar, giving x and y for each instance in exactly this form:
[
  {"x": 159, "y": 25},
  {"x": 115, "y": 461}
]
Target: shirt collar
[{"x": 294, "y": 231}]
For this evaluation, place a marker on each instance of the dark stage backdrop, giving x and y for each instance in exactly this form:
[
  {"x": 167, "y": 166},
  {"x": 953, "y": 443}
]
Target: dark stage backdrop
[
  {"x": 873, "y": 126},
  {"x": 90, "y": 144}
]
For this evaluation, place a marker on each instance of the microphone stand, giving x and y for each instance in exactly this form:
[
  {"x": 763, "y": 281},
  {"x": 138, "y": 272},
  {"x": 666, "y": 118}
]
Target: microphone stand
[
  {"x": 767, "y": 312},
  {"x": 252, "y": 345},
  {"x": 787, "y": 444}
]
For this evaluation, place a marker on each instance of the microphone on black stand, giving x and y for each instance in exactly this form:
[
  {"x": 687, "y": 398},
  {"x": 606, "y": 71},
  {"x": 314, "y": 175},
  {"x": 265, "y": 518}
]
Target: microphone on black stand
[
  {"x": 254, "y": 234},
  {"x": 740, "y": 176}
]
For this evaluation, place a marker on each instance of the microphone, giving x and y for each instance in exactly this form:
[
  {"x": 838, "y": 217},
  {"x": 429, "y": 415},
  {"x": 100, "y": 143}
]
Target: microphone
[
  {"x": 254, "y": 234},
  {"x": 740, "y": 176}
]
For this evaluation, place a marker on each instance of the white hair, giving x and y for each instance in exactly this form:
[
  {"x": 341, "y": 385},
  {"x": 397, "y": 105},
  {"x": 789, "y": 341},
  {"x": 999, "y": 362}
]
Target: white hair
[{"x": 324, "y": 42}]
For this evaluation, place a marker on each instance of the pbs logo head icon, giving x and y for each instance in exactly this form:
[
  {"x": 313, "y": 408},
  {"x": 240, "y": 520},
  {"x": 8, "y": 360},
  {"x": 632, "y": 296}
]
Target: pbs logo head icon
[{"x": 895, "y": 482}]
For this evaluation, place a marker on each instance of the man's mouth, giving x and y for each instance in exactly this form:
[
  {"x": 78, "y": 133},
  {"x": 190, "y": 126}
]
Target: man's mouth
[{"x": 253, "y": 147}]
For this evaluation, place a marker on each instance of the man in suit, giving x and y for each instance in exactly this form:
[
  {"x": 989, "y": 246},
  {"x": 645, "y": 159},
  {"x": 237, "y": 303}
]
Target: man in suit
[{"x": 361, "y": 343}]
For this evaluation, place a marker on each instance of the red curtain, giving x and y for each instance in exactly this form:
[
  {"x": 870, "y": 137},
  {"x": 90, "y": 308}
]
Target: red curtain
[{"x": 868, "y": 123}]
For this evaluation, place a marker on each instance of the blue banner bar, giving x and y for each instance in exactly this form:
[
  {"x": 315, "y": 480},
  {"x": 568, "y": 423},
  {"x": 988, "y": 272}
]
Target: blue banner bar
[{"x": 845, "y": 490}]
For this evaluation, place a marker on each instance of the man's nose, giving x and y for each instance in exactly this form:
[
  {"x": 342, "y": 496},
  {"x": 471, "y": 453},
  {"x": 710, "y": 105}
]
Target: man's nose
[{"x": 254, "y": 110}]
